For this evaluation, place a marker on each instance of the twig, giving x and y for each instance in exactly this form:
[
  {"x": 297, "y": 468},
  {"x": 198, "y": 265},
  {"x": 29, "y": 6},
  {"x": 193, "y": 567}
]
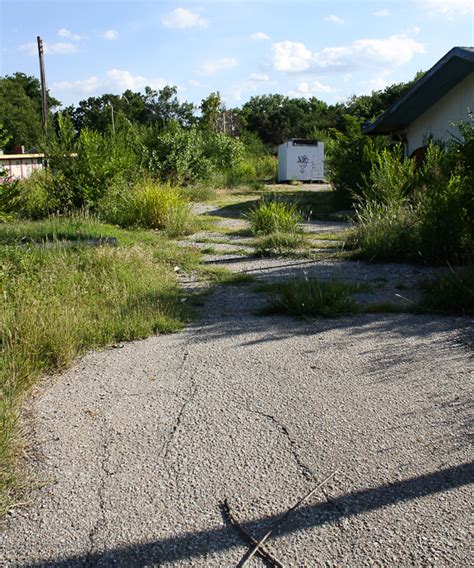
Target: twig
[
  {"x": 283, "y": 518},
  {"x": 248, "y": 537}
]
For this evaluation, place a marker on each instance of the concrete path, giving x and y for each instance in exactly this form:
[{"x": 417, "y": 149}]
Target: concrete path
[{"x": 139, "y": 446}]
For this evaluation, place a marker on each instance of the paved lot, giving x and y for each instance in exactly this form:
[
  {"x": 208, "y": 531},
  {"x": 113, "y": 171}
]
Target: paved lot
[{"x": 138, "y": 446}]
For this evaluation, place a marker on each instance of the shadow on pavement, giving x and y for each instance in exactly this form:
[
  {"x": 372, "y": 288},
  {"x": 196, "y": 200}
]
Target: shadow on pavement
[{"x": 192, "y": 545}]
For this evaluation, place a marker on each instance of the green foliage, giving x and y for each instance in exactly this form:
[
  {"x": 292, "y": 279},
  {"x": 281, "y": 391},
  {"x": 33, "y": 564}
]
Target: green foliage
[
  {"x": 426, "y": 216},
  {"x": 177, "y": 155},
  {"x": 28, "y": 198},
  {"x": 349, "y": 158},
  {"x": 450, "y": 293},
  {"x": 386, "y": 231},
  {"x": 20, "y": 111},
  {"x": 391, "y": 178},
  {"x": 271, "y": 216},
  {"x": 151, "y": 205},
  {"x": 312, "y": 298}
]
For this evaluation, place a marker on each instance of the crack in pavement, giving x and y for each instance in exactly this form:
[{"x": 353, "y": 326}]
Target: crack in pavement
[
  {"x": 305, "y": 469},
  {"x": 105, "y": 474}
]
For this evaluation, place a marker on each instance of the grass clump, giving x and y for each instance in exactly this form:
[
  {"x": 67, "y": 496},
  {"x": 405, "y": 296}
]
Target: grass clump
[
  {"x": 450, "y": 293},
  {"x": 271, "y": 216},
  {"x": 280, "y": 244},
  {"x": 150, "y": 204},
  {"x": 312, "y": 298}
]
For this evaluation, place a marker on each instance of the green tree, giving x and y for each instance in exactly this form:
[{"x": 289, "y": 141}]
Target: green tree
[{"x": 20, "y": 110}]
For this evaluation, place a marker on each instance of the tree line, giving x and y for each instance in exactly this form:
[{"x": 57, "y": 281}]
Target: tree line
[{"x": 272, "y": 118}]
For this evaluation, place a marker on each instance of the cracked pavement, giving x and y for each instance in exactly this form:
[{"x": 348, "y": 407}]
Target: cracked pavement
[{"x": 138, "y": 447}]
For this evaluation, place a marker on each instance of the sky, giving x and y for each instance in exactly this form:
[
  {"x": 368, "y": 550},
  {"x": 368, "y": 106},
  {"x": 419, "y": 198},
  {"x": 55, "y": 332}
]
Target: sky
[{"x": 322, "y": 48}]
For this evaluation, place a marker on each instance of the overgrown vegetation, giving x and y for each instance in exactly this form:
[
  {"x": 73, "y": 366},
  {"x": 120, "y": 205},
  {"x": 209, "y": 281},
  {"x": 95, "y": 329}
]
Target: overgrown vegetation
[{"x": 424, "y": 215}]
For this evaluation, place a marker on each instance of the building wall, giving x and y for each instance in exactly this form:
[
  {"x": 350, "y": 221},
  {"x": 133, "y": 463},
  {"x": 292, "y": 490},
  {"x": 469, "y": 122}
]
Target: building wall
[
  {"x": 20, "y": 167},
  {"x": 437, "y": 121}
]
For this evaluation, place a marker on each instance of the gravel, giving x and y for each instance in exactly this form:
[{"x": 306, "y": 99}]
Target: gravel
[{"x": 138, "y": 446}]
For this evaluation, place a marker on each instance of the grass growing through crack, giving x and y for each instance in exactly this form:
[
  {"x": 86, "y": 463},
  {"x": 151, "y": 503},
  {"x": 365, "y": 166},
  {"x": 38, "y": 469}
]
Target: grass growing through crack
[
  {"x": 61, "y": 297},
  {"x": 450, "y": 293},
  {"x": 312, "y": 298}
]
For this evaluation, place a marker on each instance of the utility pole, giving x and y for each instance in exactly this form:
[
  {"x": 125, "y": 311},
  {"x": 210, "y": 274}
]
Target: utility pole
[{"x": 44, "y": 102}]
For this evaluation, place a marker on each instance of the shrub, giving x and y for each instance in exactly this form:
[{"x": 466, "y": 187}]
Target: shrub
[
  {"x": 28, "y": 198},
  {"x": 152, "y": 205},
  {"x": 271, "y": 216},
  {"x": 176, "y": 154},
  {"x": 312, "y": 298},
  {"x": 349, "y": 158},
  {"x": 391, "y": 178}
]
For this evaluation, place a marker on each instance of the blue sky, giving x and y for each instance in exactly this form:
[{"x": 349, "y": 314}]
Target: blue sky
[{"x": 327, "y": 49}]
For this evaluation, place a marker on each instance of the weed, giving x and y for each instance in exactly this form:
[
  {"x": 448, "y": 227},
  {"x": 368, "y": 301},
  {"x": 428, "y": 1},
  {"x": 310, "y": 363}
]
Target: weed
[
  {"x": 280, "y": 244},
  {"x": 312, "y": 298},
  {"x": 271, "y": 216},
  {"x": 450, "y": 293}
]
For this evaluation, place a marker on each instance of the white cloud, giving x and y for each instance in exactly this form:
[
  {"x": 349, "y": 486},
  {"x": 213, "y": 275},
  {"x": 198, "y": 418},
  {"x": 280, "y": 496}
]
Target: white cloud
[
  {"x": 448, "y": 8},
  {"x": 291, "y": 56},
  {"x": 259, "y": 77},
  {"x": 82, "y": 87},
  {"x": 214, "y": 65},
  {"x": 310, "y": 89},
  {"x": 382, "y": 13},
  {"x": 334, "y": 19},
  {"x": 60, "y": 48},
  {"x": 109, "y": 34},
  {"x": 194, "y": 83},
  {"x": 260, "y": 36},
  {"x": 393, "y": 51},
  {"x": 115, "y": 81},
  {"x": 182, "y": 18},
  {"x": 63, "y": 32}
]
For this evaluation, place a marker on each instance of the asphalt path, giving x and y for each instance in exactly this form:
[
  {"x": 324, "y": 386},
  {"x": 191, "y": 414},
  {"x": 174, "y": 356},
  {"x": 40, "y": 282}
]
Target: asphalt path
[{"x": 138, "y": 447}]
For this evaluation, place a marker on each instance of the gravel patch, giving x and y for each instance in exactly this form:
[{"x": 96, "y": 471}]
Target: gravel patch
[{"x": 139, "y": 445}]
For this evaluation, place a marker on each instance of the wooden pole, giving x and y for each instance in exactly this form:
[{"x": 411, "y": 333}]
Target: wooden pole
[{"x": 44, "y": 102}]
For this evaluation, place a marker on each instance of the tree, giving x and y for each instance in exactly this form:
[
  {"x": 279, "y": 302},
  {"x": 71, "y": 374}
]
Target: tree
[{"x": 20, "y": 110}]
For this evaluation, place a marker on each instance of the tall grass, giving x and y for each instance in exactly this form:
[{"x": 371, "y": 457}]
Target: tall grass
[
  {"x": 60, "y": 299},
  {"x": 450, "y": 293},
  {"x": 271, "y": 216},
  {"x": 149, "y": 204}
]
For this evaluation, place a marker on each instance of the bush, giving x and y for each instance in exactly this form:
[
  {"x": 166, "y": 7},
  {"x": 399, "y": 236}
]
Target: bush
[
  {"x": 426, "y": 215},
  {"x": 391, "y": 179},
  {"x": 28, "y": 198},
  {"x": 349, "y": 158},
  {"x": 271, "y": 216},
  {"x": 151, "y": 205}
]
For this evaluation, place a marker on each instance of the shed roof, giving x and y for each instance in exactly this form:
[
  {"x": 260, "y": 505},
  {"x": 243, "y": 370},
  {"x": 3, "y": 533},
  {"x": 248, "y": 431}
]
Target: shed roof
[{"x": 450, "y": 70}]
